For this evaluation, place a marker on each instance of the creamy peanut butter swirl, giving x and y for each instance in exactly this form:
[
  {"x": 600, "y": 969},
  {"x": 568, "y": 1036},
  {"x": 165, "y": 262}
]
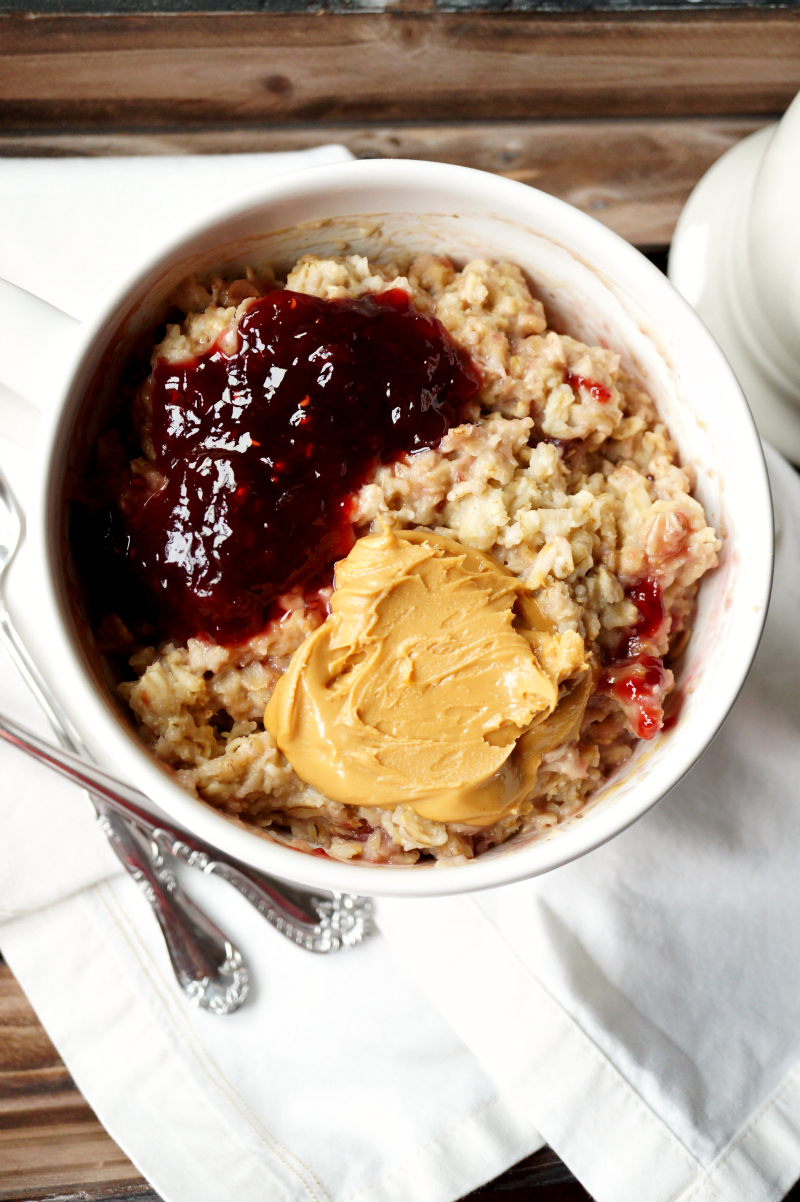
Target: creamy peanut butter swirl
[{"x": 434, "y": 683}]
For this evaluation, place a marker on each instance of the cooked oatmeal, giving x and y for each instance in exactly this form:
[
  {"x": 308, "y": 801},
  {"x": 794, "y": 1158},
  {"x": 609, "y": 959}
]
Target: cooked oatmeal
[{"x": 558, "y": 467}]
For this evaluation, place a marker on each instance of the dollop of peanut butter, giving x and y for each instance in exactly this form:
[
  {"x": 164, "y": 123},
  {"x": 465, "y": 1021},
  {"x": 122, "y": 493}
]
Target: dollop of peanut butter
[{"x": 434, "y": 683}]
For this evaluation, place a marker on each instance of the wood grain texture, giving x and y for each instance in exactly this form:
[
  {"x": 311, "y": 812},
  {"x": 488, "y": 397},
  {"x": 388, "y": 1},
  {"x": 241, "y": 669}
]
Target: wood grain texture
[
  {"x": 160, "y": 70},
  {"x": 635, "y": 176},
  {"x": 50, "y": 1140},
  {"x": 311, "y": 7}
]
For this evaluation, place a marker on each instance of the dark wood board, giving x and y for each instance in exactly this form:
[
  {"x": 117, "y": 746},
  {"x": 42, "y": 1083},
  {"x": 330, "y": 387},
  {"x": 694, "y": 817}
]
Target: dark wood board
[
  {"x": 160, "y": 71},
  {"x": 635, "y": 176},
  {"x": 51, "y": 1143},
  {"x": 350, "y": 6}
]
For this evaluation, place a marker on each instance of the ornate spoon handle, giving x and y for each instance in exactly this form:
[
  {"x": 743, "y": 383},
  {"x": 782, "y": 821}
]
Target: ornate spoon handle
[
  {"x": 207, "y": 965},
  {"x": 320, "y": 925}
]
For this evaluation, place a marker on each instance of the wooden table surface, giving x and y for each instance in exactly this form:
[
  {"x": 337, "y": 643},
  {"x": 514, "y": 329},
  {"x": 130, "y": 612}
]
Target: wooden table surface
[{"x": 618, "y": 113}]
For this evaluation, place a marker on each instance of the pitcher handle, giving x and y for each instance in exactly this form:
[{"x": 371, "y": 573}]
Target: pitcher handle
[{"x": 35, "y": 341}]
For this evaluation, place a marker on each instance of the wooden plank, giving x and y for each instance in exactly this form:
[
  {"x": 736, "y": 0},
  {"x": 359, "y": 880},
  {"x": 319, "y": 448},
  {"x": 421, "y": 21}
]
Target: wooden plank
[
  {"x": 312, "y": 7},
  {"x": 160, "y": 70},
  {"x": 123, "y": 1193},
  {"x": 50, "y": 1138},
  {"x": 635, "y": 176}
]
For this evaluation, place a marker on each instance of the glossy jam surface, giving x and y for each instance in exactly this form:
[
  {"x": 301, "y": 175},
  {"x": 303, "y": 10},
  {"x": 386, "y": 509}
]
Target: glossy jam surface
[
  {"x": 263, "y": 450},
  {"x": 639, "y": 685},
  {"x": 647, "y": 598},
  {"x": 599, "y": 391},
  {"x": 635, "y": 677}
]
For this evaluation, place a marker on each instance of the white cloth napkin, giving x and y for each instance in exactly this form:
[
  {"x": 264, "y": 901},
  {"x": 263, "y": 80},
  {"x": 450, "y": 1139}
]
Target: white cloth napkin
[{"x": 640, "y": 1008}]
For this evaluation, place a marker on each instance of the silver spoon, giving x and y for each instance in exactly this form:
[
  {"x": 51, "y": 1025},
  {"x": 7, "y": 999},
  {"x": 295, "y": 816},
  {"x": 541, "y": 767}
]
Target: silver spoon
[
  {"x": 208, "y": 967},
  {"x": 322, "y": 925}
]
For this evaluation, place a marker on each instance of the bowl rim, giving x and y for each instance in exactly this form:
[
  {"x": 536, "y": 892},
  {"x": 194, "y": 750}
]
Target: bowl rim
[{"x": 120, "y": 742}]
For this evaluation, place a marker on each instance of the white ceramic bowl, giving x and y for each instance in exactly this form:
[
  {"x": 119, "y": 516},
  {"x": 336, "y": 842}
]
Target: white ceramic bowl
[{"x": 604, "y": 292}]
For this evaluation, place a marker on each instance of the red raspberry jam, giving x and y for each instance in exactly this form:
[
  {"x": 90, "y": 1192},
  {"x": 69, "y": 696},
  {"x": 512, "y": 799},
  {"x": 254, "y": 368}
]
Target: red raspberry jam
[
  {"x": 595, "y": 389},
  {"x": 636, "y": 677},
  {"x": 647, "y": 598},
  {"x": 263, "y": 450},
  {"x": 639, "y": 685}
]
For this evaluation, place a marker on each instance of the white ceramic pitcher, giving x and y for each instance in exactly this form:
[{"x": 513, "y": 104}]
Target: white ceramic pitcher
[{"x": 736, "y": 258}]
